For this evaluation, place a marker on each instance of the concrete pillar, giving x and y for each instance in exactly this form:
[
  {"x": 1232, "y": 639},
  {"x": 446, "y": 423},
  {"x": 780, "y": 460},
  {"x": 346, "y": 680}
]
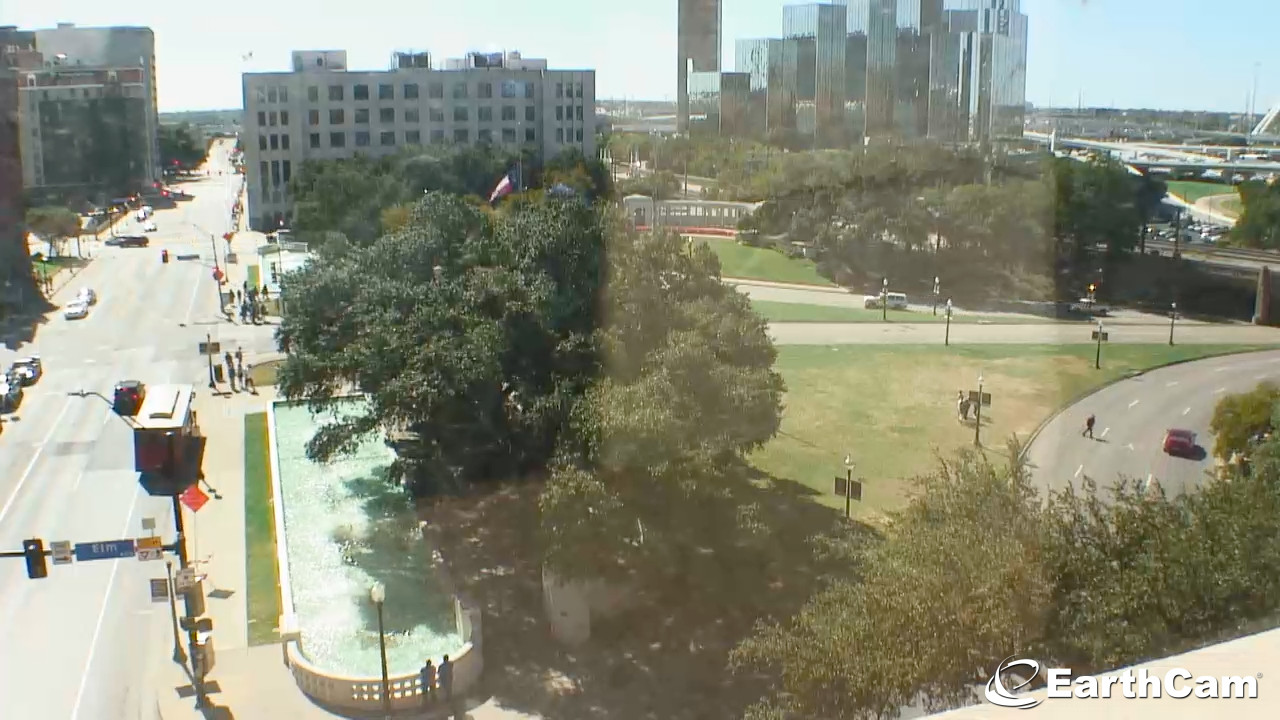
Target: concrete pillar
[{"x": 1262, "y": 306}]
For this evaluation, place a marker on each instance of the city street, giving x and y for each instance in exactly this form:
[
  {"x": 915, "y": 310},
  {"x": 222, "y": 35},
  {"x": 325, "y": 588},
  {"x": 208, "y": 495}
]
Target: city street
[
  {"x": 81, "y": 643},
  {"x": 1026, "y": 334},
  {"x": 1132, "y": 416}
]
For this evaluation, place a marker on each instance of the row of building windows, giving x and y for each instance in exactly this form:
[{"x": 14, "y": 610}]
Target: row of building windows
[
  {"x": 409, "y": 91},
  {"x": 387, "y": 138},
  {"x": 271, "y": 119},
  {"x": 361, "y": 116},
  {"x": 276, "y": 172}
]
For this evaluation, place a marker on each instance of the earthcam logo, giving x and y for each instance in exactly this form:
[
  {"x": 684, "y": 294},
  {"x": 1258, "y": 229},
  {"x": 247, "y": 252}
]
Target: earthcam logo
[{"x": 1176, "y": 683}]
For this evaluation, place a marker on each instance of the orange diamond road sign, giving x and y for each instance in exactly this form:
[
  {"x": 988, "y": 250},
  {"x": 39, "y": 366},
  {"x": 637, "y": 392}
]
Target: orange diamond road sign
[{"x": 194, "y": 498}]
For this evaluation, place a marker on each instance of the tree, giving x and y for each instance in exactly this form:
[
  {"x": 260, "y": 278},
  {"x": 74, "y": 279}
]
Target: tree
[
  {"x": 955, "y": 586},
  {"x": 1259, "y": 223},
  {"x": 1239, "y": 418},
  {"x": 181, "y": 146},
  {"x": 54, "y": 224}
]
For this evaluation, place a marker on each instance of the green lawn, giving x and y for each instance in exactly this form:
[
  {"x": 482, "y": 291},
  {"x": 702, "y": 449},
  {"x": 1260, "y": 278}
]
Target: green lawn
[
  {"x": 1192, "y": 190},
  {"x": 800, "y": 312},
  {"x": 44, "y": 268},
  {"x": 894, "y": 407},
  {"x": 263, "y": 594},
  {"x": 752, "y": 263}
]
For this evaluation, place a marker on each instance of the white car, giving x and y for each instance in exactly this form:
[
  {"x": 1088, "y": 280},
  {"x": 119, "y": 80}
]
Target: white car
[
  {"x": 148, "y": 227},
  {"x": 76, "y": 310},
  {"x": 896, "y": 301},
  {"x": 86, "y": 296}
]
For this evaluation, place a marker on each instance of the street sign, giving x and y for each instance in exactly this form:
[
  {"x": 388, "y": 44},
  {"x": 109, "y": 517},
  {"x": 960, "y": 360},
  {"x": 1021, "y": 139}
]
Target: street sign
[
  {"x": 184, "y": 579},
  {"x": 1103, "y": 335},
  {"x": 150, "y": 548},
  {"x": 61, "y": 550},
  {"x": 105, "y": 550},
  {"x": 159, "y": 589},
  {"x": 148, "y": 523},
  {"x": 973, "y": 398},
  {"x": 843, "y": 485},
  {"x": 209, "y": 348},
  {"x": 145, "y": 554},
  {"x": 194, "y": 498}
]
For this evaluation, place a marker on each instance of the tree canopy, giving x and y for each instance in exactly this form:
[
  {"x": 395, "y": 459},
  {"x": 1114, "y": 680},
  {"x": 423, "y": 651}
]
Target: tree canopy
[
  {"x": 1239, "y": 418},
  {"x": 1259, "y": 223},
  {"x": 182, "y": 147}
]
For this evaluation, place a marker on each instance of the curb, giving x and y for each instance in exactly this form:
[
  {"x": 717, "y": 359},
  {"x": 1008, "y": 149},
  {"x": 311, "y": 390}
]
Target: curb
[{"x": 1022, "y": 454}]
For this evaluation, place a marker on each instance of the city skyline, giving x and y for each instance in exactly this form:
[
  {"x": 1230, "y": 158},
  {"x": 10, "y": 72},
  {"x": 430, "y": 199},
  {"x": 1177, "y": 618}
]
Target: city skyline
[{"x": 1141, "y": 53}]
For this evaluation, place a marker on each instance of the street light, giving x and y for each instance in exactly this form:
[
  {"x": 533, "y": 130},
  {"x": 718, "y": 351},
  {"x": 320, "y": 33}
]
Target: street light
[
  {"x": 179, "y": 656},
  {"x": 977, "y": 425},
  {"x": 848, "y": 488},
  {"x": 884, "y": 300},
  {"x": 947, "y": 341},
  {"x": 378, "y": 594},
  {"x": 937, "y": 289},
  {"x": 1173, "y": 315},
  {"x": 1097, "y": 358}
]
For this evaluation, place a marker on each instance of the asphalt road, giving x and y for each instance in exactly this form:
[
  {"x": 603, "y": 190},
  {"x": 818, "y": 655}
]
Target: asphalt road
[
  {"x": 81, "y": 643},
  {"x": 1132, "y": 416},
  {"x": 1055, "y": 334}
]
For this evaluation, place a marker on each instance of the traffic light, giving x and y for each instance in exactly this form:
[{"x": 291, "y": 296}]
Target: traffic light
[
  {"x": 37, "y": 567},
  {"x": 1092, "y": 287}
]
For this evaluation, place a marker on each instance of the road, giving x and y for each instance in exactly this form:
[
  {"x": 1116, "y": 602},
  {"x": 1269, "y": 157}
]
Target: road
[
  {"x": 1132, "y": 416},
  {"x": 80, "y": 644},
  {"x": 1026, "y": 334}
]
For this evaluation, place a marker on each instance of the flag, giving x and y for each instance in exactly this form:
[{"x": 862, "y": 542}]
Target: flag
[{"x": 504, "y": 187}]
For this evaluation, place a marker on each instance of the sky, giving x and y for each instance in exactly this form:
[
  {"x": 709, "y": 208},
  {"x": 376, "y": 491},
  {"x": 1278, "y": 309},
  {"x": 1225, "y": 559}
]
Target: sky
[{"x": 1167, "y": 54}]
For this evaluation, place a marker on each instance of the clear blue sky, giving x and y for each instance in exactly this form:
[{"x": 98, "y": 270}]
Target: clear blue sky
[{"x": 1192, "y": 54}]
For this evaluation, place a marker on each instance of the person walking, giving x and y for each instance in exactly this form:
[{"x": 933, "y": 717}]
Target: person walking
[
  {"x": 231, "y": 375},
  {"x": 446, "y": 679},
  {"x": 962, "y": 407},
  {"x": 246, "y": 379},
  {"x": 1088, "y": 427},
  {"x": 428, "y": 674},
  {"x": 240, "y": 355}
]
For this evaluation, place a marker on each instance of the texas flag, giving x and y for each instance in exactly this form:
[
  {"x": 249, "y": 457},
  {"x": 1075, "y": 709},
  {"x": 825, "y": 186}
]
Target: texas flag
[{"x": 504, "y": 187}]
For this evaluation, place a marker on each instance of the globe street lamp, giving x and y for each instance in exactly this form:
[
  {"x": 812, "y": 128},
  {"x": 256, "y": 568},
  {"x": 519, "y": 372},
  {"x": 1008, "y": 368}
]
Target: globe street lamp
[
  {"x": 848, "y": 488},
  {"x": 1097, "y": 358},
  {"x": 937, "y": 288},
  {"x": 1173, "y": 315},
  {"x": 947, "y": 340},
  {"x": 884, "y": 300},
  {"x": 378, "y": 594}
]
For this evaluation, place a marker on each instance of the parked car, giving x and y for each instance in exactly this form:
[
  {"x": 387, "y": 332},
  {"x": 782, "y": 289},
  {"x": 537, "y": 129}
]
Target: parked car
[
  {"x": 76, "y": 311},
  {"x": 1180, "y": 443},
  {"x": 87, "y": 296},
  {"x": 127, "y": 397},
  {"x": 28, "y": 370},
  {"x": 10, "y": 393},
  {"x": 132, "y": 241},
  {"x": 148, "y": 226},
  {"x": 896, "y": 301}
]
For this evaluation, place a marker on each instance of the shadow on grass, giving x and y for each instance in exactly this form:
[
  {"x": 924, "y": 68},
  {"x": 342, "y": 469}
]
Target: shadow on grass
[{"x": 667, "y": 656}]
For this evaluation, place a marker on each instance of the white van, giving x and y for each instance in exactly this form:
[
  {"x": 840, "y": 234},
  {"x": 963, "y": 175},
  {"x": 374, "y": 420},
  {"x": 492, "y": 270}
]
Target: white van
[{"x": 896, "y": 301}]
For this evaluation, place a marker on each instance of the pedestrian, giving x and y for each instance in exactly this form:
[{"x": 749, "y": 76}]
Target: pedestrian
[
  {"x": 245, "y": 287},
  {"x": 1088, "y": 427},
  {"x": 962, "y": 407},
  {"x": 266, "y": 292},
  {"x": 246, "y": 379},
  {"x": 428, "y": 682},
  {"x": 239, "y": 355},
  {"x": 231, "y": 376},
  {"x": 446, "y": 679}
]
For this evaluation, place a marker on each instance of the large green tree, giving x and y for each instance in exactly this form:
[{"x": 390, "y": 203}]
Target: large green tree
[
  {"x": 181, "y": 146},
  {"x": 54, "y": 224},
  {"x": 1239, "y": 418},
  {"x": 1259, "y": 223}
]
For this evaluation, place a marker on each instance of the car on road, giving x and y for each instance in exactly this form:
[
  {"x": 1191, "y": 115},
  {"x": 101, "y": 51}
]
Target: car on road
[
  {"x": 10, "y": 393},
  {"x": 1180, "y": 443},
  {"x": 896, "y": 301},
  {"x": 28, "y": 370},
  {"x": 76, "y": 310},
  {"x": 87, "y": 296},
  {"x": 148, "y": 226},
  {"x": 131, "y": 241},
  {"x": 127, "y": 397},
  {"x": 1085, "y": 306}
]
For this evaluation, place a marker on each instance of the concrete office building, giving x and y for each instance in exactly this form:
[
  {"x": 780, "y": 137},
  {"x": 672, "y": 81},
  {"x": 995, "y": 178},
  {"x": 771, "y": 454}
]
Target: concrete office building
[
  {"x": 323, "y": 110},
  {"x": 721, "y": 101},
  {"x": 15, "y": 281},
  {"x": 698, "y": 24},
  {"x": 814, "y": 65}
]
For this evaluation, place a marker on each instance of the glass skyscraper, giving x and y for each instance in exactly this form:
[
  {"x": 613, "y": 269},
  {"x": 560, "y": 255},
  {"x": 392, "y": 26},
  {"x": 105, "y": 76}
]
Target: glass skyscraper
[{"x": 697, "y": 48}]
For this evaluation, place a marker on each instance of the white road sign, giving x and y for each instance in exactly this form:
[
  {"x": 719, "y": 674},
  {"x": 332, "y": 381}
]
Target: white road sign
[{"x": 62, "y": 553}]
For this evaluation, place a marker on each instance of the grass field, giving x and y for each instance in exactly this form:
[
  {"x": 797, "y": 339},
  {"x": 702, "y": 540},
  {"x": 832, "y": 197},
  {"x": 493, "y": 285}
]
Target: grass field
[
  {"x": 1192, "y": 190},
  {"x": 800, "y": 312},
  {"x": 894, "y": 408},
  {"x": 263, "y": 593},
  {"x": 752, "y": 263},
  {"x": 46, "y": 268}
]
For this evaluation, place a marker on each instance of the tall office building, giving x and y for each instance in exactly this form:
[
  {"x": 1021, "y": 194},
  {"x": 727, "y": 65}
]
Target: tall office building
[
  {"x": 323, "y": 110},
  {"x": 697, "y": 48},
  {"x": 814, "y": 50},
  {"x": 15, "y": 269}
]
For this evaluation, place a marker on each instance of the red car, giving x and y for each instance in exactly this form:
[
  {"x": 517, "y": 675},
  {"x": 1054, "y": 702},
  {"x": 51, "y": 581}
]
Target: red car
[{"x": 1180, "y": 442}]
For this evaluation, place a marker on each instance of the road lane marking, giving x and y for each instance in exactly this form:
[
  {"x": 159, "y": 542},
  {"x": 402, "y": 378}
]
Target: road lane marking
[
  {"x": 22, "y": 480},
  {"x": 1079, "y": 470},
  {"x": 1130, "y": 446},
  {"x": 1171, "y": 383},
  {"x": 1135, "y": 402},
  {"x": 1219, "y": 391},
  {"x": 1221, "y": 369},
  {"x": 1184, "y": 412},
  {"x": 1105, "y": 431}
]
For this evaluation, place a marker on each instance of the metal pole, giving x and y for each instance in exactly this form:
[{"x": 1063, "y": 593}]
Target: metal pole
[
  {"x": 382, "y": 649},
  {"x": 947, "y": 341},
  {"x": 179, "y": 656},
  {"x": 1097, "y": 358},
  {"x": 848, "y": 491},
  {"x": 1173, "y": 314},
  {"x": 193, "y": 640},
  {"x": 884, "y": 301},
  {"x": 213, "y": 384},
  {"x": 977, "y": 425}
]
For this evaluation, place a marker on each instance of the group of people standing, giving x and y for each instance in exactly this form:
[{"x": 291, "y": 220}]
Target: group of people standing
[
  {"x": 437, "y": 682},
  {"x": 252, "y": 302},
  {"x": 236, "y": 370}
]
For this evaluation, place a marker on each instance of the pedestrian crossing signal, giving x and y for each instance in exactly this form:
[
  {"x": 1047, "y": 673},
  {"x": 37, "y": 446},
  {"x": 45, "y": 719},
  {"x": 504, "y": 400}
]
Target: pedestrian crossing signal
[{"x": 37, "y": 567}]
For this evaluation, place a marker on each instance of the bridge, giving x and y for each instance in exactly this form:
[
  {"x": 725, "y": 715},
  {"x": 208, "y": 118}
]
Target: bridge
[{"x": 1147, "y": 156}]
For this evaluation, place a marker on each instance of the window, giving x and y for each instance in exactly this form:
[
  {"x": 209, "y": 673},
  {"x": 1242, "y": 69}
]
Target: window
[
  {"x": 559, "y": 90},
  {"x": 568, "y": 112},
  {"x": 509, "y": 88},
  {"x": 411, "y": 91},
  {"x": 577, "y": 90},
  {"x": 528, "y": 89},
  {"x": 386, "y": 115},
  {"x": 528, "y": 113},
  {"x": 559, "y": 135},
  {"x": 528, "y": 135},
  {"x": 435, "y": 90},
  {"x": 315, "y": 140},
  {"x": 261, "y": 94},
  {"x": 577, "y": 135},
  {"x": 568, "y": 90},
  {"x": 460, "y": 114},
  {"x": 485, "y": 135},
  {"x": 284, "y": 94},
  {"x": 313, "y": 93},
  {"x": 508, "y": 135},
  {"x": 437, "y": 137},
  {"x": 273, "y": 95},
  {"x": 484, "y": 90},
  {"x": 461, "y": 135},
  {"x": 577, "y": 112},
  {"x": 284, "y": 142},
  {"x": 272, "y": 117},
  {"x": 313, "y": 117},
  {"x": 484, "y": 114},
  {"x": 262, "y": 119},
  {"x": 387, "y": 137},
  {"x": 412, "y": 115},
  {"x": 386, "y": 92},
  {"x": 362, "y": 116},
  {"x": 559, "y": 112},
  {"x": 335, "y": 93},
  {"x": 508, "y": 113},
  {"x": 284, "y": 117},
  {"x": 413, "y": 137},
  {"x": 264, "y": 171},
  {"x": 360, "y": 92},
  {"x": 459, "y": 90},
  {"x": 262, "y": 142},
  {"x": 275, "y": 172},
  {"x": 337, "y": 116},
  {"x": 286, "y": 170},
  {"x": 275, "y": 142},
  {"x": 362, "y": 138},
  {"x": 436, "y": 114},
  {"x": 337, "y": 139}
]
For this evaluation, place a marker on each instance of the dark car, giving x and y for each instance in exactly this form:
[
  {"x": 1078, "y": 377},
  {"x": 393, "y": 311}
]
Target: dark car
[
  {"x": 28, "y": 370},
  {"x": 128, "y": 397},
  {"x": 133, "y": 241},
  {"x": 1181, "y": 443},
  {"x": 10, "y": 392}
]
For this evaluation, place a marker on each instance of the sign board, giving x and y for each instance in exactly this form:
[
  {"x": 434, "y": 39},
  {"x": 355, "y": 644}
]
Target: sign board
[
  {"x": 105, "y": 550},
  {"x": 152, "y": 542},
  {"x": 209, "y": 348},
  {"x": 149, "y": 524},
  {"x": 61, "y": 550},
  {"x": 194, "y": 498},
  {"x": 843, "y": 486},
  {"x": 159, "y": 589},
  {"x": 184, "y": 579},
  {"x": 200, "y": 625},
  {"x": 1100, "y": 336},
  {"x": 145, "y": 554},
  {"x": 973, "y": 398}
]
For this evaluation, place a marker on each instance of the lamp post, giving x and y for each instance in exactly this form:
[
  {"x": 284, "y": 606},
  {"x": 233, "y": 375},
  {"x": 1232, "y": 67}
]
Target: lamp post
[
  {"x": 1173, "y": 315},
  {"x": 378, "y": 594},
  {"x": 848, "y": 488},
  {"x": 937, "y": 289},
  {"x": 947, "y": 340},
  {"x": 977, "y": 425},
  {"x": 179, "y": 656},
  {"x": 1097, "y": 358},
  {"x": 884, "y": 300},
  {"x": 208, "y": 352}
]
